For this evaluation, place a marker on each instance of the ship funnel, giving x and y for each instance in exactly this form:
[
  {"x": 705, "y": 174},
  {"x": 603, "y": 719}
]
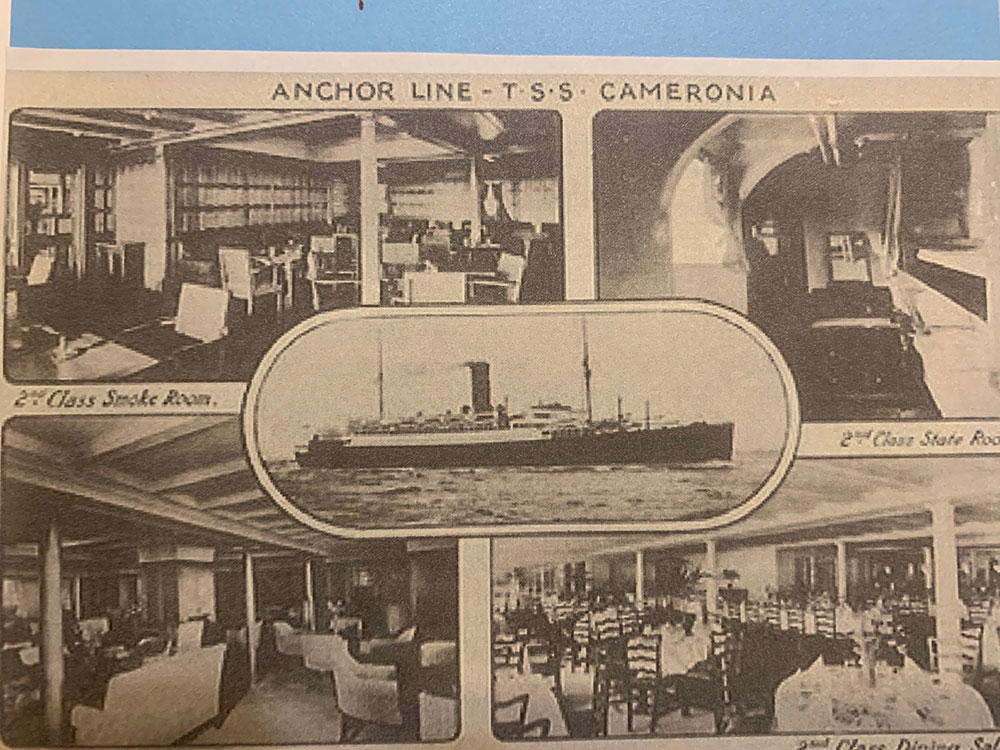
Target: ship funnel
[{"x": 481, "y": 400}]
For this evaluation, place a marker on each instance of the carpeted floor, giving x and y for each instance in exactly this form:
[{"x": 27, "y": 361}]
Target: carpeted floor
[{"x": 280, "y": 711}]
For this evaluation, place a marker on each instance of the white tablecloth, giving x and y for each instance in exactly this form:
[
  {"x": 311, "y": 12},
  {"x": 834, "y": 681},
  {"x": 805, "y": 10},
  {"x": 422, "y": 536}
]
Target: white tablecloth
[
  {"x": 838, "y": 699},
  {"x": 542, "y": 703},
  {"x": 679, "y": 652}
]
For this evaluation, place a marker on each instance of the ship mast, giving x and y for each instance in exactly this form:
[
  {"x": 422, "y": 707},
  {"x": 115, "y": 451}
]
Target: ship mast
[
  {"x": 381, "y": 380},
  {"x": 586, "y": 375}
]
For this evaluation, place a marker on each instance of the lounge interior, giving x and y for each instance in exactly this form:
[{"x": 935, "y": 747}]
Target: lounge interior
[
  {"x": 176, "y": 244},
  {"x": 862, "y": 243},
  {"x": 858, "y": 598},
  {"x": 152, "y": 594}
]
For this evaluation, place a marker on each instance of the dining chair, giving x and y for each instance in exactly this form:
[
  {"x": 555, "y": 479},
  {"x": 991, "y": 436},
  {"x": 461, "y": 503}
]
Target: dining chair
[
  {"x": 516, "y": 728},
  {"x": 510, "y": 271},
  {"x": 243, "y": 281},
  {"x": 646, "y": 688},
  {"x": 189, "y": 635},
  {"x": 331, "y": 262}
]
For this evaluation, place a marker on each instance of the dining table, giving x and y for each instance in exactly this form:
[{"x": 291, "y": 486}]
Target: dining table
[
  {"x": 542, "y": 702},
  {"x": 829, "y": 698},
  {"x": 680, "y": 652}
]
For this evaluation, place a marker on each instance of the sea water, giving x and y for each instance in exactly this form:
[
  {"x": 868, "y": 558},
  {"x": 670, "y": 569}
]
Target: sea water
[{"x": 419, "y": 497}]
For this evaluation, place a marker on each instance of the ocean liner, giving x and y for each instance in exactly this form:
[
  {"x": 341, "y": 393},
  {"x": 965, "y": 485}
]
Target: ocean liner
[{"x": 484, "y": 434}]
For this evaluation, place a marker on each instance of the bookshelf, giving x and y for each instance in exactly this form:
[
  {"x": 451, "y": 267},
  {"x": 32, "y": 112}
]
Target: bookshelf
[{"x": 224, "y": 196}]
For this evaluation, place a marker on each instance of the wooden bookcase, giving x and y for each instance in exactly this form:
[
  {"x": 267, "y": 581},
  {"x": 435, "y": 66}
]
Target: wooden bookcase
[{"x": 222, "y": 196}]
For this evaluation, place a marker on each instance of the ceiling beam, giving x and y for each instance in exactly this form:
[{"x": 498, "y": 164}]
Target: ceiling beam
[
  {"x": 113, "y": 445},
  {"x": 203, "y": 474},
  {"x": 103, "y": 126},
  {"x": 237, "y": 498},
  {"x": 60, "y": 129},
  {"x": 267, "y": 122},
  {"x": 143, "y": 504}
]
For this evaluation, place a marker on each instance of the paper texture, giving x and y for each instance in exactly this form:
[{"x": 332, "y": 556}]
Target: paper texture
[{"x": 555, "y": 402}]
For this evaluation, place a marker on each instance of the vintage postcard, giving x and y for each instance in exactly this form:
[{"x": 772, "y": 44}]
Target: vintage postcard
[{"x": 509, "y": 400}]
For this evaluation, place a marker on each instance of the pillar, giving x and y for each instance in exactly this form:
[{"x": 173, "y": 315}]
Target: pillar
[
  {"x": 371, "y": 272},
  {"x": 77, "y": 597},
  {"x": 640, "y": 579},
  {"x": 251, "y": 607},
  {"x": 52, "y": 634},
  {"x": 578, "y": 199},
  {"x": 992, "y": 245},
  {"x": 712, "y": 583},
  {"x": 841, "y": 571},
  {"x": 476, "y": 224},
  {"x": 948, "y": 607},
  {"x": 310, "y": 597},
  {"x": 928, "y": 568}
]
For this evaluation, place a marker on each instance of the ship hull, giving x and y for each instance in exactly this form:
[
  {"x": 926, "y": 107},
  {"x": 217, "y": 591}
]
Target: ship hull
[{"x": 692, "y": 443}]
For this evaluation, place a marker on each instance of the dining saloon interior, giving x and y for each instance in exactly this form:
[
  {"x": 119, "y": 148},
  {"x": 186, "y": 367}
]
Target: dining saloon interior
[
  {"x": 862, "y": 597},
  {"x": 152, "y": 595},
  {"x": 865, "y": 245},
  {"x": 170, "y": 244}
]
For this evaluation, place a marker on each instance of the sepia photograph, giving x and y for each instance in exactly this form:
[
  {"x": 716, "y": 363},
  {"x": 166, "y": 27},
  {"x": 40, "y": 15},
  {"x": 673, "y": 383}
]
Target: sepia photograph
[
  {"x": 178, "y": 244},
  {"x": 591, "y": 415},
  {"x": 862, "y": 243},
  {"x": 863, "y": 597},
  {"x": 153, "y": 596}
]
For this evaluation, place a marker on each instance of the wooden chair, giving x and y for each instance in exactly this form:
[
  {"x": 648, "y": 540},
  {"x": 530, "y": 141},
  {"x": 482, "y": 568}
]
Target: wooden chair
[
  {"x": 243, "y": 281},
  {"x": 580, "y": 649},
  {"x": 826, "y": 622},
  {"x": 193, "y": 340},
  {"x": 628, "y": 622},
  {"x": 508, "y": 652},
  {"x": 517, "y": 729},
  {"x": 646, "y": 688},
  {"x": 332, "y": 262},
  {"x": 709, "y": 685},
  {"x": 510, "y": 271},
  {"x": 972, "y": 648}
]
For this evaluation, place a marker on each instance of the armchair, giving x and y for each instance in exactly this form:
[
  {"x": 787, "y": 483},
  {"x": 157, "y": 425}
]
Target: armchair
[
  {"x": 366, "y": 693},
  {"x": 510, "y": 270},
  {"x": 245, "y": 282},
  {"x": 286, "y": 640}
]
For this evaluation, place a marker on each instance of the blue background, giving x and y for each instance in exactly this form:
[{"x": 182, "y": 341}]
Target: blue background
[{"x": 857, "y": 29}]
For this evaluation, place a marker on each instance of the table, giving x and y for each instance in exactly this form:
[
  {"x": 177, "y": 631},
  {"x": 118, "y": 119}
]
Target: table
[
  {"x": 678, "y": 652},
  {"x": 286, "y": 262},
  {"x": 542, "y": 703},
  {"x": 434, "y": 286},
  {"x": 838, "y": 699},
  {"x": 92, "y": 358}
]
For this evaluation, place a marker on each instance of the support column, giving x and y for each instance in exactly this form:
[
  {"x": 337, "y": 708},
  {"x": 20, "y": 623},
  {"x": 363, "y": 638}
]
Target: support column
[
  {"x": 928, "y": 569},
  {"x": 992, "y": 245},
  {"x": 310, "y": 597},
  {"x": 841, "y": 571},
  {"x": 640, "y": 579},
  {"x": 578, "y": 215},
  {"x": 948, "y": 604},
  {"x": 52, "y": 634},
  {"x": 370, "y": 262},
  {"x": 476, "y": 224},
  {"x": 77, "y": 597},
  {"x": 712, "y": 584},
  {"x": 251, "y": 615}
]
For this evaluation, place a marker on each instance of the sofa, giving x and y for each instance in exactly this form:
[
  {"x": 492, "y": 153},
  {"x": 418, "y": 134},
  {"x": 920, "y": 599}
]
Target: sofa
[{"x": 158, "y": 703}]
